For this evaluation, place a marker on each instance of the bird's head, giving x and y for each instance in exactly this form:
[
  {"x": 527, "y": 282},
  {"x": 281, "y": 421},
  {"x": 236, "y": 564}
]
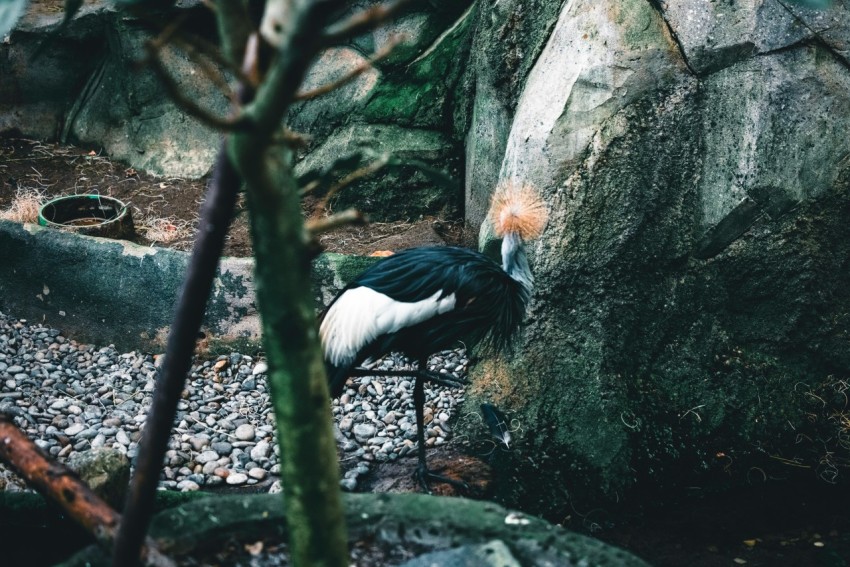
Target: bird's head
[{"x": 517, "y": 209}]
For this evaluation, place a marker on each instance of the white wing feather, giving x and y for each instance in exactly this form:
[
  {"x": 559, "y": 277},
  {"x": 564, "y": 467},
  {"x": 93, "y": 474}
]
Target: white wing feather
[{"x": 360, "y": 315}]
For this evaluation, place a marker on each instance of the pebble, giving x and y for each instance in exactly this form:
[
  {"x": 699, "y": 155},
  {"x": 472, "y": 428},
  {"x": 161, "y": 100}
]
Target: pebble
[
  {"x": 244, "y": 432},
  {"x": 71, "y": 397},
  {"x": 364, "y": 431},
  {"x": 207, "y": 457},
  {"x": 257, "y": 473},
  {"x": 260, "y": 451},
  {"x": 237, "y": 478},
  {"x": 74, "y": 429},
  {"x": 187, "y": 486}
]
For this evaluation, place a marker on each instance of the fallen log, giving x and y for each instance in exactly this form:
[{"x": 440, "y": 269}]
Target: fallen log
[{"x": 58, "y": 483}]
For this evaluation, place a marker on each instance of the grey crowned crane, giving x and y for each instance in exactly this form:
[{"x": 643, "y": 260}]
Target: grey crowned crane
[{"x": 424, "y": 300}]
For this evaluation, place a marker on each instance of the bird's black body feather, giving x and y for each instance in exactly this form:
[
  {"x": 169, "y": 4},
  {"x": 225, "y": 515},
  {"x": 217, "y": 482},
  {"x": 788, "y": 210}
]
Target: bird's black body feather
[{"x": 489, "y": 304}]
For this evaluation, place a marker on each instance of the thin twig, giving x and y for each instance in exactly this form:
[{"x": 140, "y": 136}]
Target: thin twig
[
  {"x": 186, "y": 103},
  {"x": 349, "y": 216},
  {"x": 61, "y": 485},
  {"x": 154, "y": 47},
  {"x": 291, "y": 139},
  {"x": 212, "y": 72},
  {"x": 204, "y": 47},
  {"x": 364, "y": 21},
  {"x": 379, "y": 55},
  {"x": 355, "y": 175},
  {"x": 216, "y": 215}
]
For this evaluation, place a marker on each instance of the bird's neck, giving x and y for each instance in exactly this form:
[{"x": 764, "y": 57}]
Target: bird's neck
[{"x": 515, "y": 262}]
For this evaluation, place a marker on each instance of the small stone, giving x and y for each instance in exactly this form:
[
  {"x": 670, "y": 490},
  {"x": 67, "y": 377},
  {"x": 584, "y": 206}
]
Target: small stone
[
  {"x": 260, "y": 368},
  {"x": 346, "y": 423},
  {"x": 249, "y": 384},
  {"x": 74, "y": 429},
  {"x": 245, "y": 432},
  {"x": 257, "y": 473},
  {"x": 207, "y": 457},
  {"x": 198, "y": 442},
  {"x": 237, "y": 478},
  {"x": 364, "y": 431},
  {"x": 222, "y": 447},
  {"x": 260, "y": 451},
  {"x": 187, "y": 486},
  {"x": 214, "y": 481},
  {"x": 348, "y": 484}
]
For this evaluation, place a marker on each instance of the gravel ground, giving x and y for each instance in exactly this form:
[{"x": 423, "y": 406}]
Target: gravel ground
[{"x": 71, "y": 397}]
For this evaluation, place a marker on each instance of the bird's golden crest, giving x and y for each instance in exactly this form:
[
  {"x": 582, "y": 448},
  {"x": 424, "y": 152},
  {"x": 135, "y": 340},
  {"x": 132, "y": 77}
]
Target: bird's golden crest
[{"x": 517, "y": 208}]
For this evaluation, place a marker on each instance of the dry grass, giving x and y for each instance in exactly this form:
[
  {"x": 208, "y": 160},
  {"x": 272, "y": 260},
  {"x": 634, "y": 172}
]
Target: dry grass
[
  {"x": 164, "y": 230},
  {"x": 25, "y": 206}
]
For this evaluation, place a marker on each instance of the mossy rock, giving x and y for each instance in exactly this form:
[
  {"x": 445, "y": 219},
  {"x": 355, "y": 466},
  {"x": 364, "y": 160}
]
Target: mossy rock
[{"x": 413, "y": 521}]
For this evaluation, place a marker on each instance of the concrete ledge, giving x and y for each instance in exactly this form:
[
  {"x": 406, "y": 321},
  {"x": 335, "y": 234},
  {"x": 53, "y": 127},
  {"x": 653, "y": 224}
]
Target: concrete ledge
[{"x": 115, "y": 292}]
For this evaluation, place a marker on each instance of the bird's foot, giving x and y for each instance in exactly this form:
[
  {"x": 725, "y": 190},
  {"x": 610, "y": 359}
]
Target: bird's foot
[
  {"x": 442, "y": 379},
  {"x": 424, "y": 477}
]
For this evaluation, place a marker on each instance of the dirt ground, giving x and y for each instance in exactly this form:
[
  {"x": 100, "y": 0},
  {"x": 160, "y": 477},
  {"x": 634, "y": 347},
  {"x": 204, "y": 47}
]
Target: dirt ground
[{"x": 165, "y": 210}]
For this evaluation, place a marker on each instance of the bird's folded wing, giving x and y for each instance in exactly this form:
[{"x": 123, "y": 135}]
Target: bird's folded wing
[{"x": 361, "y": 314}]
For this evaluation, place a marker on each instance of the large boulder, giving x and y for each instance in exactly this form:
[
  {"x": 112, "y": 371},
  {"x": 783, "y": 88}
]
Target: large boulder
[
  {"x": 125, "y": 109},
  {"x": 507, "y": 39},
  {"x": 90, "y": 86},
  {"x": 691, "y": 296},
  {"x": 391, "y": 193},
  {"x": 86, "y": 84},
  {"x": 402, "y": 107},
  {"x": 36, "y": 93}
]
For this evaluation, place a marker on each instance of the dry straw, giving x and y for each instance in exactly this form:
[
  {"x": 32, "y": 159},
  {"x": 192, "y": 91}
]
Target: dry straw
[{"x": 24, "y": 207}]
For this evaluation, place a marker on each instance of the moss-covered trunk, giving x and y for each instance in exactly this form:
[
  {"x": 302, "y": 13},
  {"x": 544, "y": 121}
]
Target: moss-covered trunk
[
  {"x": 297, "y": 379},
  {"x": 297, "y": 375}
]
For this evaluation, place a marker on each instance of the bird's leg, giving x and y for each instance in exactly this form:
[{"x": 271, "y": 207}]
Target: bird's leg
[{"x": 423, "y": 474}]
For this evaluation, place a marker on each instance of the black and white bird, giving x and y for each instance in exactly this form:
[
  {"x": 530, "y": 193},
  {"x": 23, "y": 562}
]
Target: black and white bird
[{"x": 424, "y": 300}]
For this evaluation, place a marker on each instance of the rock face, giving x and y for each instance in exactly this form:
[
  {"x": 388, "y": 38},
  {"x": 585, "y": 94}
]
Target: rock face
[
  {"x": 690, "y": 282},
  {"x": 88, "y": 88},
  {"x": 127, "y": 111},
  {"x": 85, "y": 88}
]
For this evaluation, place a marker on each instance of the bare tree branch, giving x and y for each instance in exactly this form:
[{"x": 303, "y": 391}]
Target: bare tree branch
[
  {"x": 355, "y": 175},
  {"x": 365, "y": 21},
  {"x": 195, "y": 46},
  {"x": 61, "y": 485},
  {"x": 186, "y": 103},
  {"x": 349, "y": 216},
  {"x": 154, "y": 47},
  {"x": 382, "y": 53},
  {"x": 234, "y": 28}
]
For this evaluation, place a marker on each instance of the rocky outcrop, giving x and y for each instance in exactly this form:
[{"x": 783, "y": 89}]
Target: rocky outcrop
[
  {"x": 689, "y": 282},
  {"x": 88, "y": 87},
  {"x": 125, "y": 110}
]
